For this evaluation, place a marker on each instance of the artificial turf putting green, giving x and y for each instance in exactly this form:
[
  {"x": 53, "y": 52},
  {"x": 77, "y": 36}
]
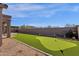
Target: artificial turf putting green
[
  {"x": 51, "y": 45},
  {"x": 55, "y": 44}
]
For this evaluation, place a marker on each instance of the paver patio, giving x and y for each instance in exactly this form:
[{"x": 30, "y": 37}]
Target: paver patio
[{"x": 11, "y": 47}]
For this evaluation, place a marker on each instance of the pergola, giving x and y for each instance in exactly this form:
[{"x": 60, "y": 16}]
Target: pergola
[{"x": 4, "y": 22}]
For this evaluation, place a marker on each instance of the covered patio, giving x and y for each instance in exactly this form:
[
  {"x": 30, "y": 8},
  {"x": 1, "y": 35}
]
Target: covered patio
[{"x": 4, "y": 23}]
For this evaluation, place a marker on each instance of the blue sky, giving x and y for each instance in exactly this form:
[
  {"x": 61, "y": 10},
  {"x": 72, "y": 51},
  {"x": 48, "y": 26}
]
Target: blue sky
[{"x": 43, "y": 14}]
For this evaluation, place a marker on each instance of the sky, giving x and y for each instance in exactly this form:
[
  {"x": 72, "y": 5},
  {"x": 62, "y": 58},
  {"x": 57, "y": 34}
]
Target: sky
[{"x": 43, "y": 14}]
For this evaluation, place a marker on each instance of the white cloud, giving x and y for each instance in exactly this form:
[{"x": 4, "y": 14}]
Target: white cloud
[
  {"x": 20, "y": 15},
  {"x": 47, "y": 14},
  {"x": 26, "y": 7},
  {"x": 75, "y": 8},
  {"x": 67, "y": 7},
  {"x": 47, "y": 11},
  {"x": 16, "y": 10},
  {"x": 16, "y": 14}
]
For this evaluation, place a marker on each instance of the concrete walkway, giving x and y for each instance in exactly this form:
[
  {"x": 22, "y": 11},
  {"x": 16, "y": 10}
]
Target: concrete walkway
[{"x": 12, "y": 48}]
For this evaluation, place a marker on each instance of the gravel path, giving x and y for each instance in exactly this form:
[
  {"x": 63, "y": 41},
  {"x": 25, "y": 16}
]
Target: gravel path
[{"x": 12, "y": 48}]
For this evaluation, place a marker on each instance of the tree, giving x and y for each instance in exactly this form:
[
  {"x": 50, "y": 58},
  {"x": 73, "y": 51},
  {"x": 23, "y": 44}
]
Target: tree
[
  {"x": 29, "y": 27},
  {"x": 70, "y": 25},
  {"x": 14, "y": 26},
  {"x": 49, "y": 26},
  {"x": 69, "y": 34},
  {"x": 22, "y": 27}
]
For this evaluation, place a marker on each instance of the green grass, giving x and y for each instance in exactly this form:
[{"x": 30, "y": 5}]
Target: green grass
[{"x": 51, "y": 45}]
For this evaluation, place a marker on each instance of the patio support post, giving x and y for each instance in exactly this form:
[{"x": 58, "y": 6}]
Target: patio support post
[
  {"x": 0, "y": 30},
  {"x": 8, "y": 28}
]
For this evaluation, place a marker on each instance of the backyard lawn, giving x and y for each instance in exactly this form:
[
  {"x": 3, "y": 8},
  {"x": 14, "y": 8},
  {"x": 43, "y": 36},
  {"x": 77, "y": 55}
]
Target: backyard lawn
[{"x": 51, "y": 45}]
